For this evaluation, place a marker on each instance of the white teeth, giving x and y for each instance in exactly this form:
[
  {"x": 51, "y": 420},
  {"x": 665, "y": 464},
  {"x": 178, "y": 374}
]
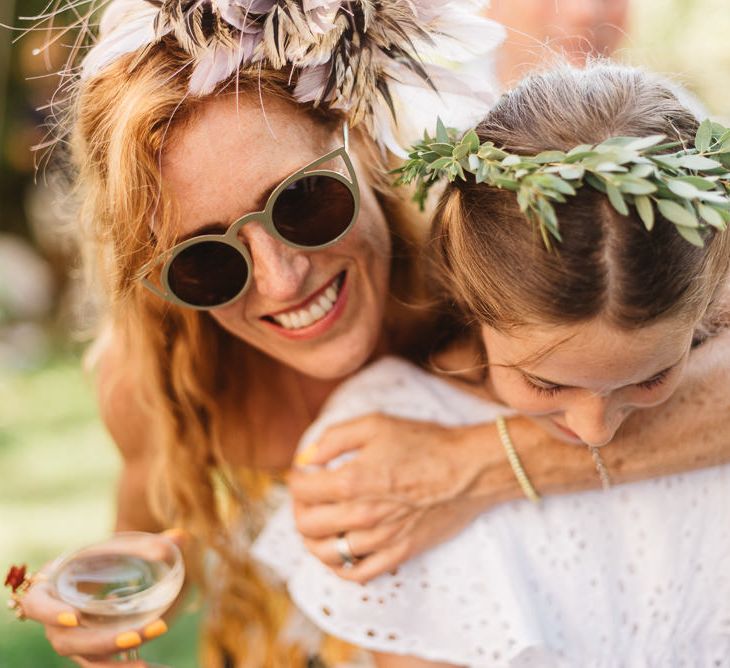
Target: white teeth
[{"x": 317, "y": 310}]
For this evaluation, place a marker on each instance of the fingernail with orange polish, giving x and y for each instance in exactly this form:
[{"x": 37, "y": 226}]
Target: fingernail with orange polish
[
  {"x": 128, "y": 640},
  {"x": 155, "y": 629},
  {"x": 67, "y": 619},
  {"x": 306, "y": 456},
  {"x": 176, "y": 534}
]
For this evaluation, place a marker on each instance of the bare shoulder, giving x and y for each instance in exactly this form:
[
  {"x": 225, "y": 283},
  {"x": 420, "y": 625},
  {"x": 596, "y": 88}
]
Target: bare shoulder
[{"x": 120, "y": 394}]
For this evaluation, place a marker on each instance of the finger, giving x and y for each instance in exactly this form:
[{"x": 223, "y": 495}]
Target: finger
[
  {"x": 323, "y": 485},
  {"x": 376, "y": 564},
  {"x": 362, "y": 543},
  {"x": 88, "y": 642},
  {"x": 341, "y": 438},
  {"x": 106, "y": 662},
  {"x": 322, "y": 520},
  {"x": 40, "y": 605}
]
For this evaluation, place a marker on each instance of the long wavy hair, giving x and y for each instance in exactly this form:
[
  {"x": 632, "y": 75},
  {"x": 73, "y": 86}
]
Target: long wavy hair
[{"x": 183, "y": 360}]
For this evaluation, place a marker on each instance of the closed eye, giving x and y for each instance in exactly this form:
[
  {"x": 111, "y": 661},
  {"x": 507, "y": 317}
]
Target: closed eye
[
  {"x": 543, "y": 389},
  {"x": 655, "y": 381}
]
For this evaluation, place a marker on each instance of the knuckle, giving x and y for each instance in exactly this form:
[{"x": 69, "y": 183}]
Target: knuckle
[
  {"x": 365, "y": 517},
  {"x": 58, "y": 642},
  {"x": 347, "y": 483}
]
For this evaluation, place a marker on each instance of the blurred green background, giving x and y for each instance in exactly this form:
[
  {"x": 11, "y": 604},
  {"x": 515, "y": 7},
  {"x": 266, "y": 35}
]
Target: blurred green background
[{"x": 57, "y": 465}]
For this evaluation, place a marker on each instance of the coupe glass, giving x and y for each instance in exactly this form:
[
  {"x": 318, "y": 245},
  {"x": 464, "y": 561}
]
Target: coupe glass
[{"x": 124, "y": 582}]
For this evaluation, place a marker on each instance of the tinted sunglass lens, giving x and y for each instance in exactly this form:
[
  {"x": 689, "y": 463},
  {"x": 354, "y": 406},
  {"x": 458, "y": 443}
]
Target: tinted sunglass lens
[
  {"x": 207, "y": 274},
  {"x": 313, "y": 210}
]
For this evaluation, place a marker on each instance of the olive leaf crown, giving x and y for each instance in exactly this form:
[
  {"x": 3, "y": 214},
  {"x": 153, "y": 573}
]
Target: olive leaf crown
[{"x": 689, "y": 187}]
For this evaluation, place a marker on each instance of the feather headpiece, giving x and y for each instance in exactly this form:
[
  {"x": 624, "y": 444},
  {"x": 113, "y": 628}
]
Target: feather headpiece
[{"x": 376, "y": 60}]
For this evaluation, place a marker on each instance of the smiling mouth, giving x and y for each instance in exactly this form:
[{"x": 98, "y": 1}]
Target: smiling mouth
[{"x": 317, "y": 307}]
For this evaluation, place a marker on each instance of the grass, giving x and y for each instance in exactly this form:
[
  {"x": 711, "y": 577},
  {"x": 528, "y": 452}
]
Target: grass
[{"x": 58, "y": 469}]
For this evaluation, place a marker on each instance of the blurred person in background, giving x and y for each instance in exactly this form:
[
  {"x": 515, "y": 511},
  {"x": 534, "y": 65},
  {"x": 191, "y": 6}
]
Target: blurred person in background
[{"x": 575, "y": 29}]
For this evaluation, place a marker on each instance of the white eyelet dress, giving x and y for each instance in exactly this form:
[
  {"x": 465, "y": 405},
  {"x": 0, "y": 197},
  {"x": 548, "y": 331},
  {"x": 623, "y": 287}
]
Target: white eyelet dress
[{"x": 634, "y": 577}]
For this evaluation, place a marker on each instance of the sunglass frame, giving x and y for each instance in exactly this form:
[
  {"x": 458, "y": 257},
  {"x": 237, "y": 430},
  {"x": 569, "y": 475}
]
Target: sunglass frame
[{"x": 265, "y": 217}]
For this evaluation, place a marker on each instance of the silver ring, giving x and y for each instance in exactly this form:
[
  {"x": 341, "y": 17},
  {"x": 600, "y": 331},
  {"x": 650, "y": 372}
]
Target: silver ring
[{"x": 342, "y": 545}]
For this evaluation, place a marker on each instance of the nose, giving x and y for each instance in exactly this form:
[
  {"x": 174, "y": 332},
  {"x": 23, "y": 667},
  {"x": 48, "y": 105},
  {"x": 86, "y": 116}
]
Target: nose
[
  {"x": 595, "y": 419},
  {"x": 279, "y": 270}
]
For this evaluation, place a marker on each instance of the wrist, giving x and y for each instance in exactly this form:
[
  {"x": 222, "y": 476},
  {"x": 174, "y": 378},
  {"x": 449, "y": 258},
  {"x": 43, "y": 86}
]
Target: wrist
[{"x": 494, "y": 480}]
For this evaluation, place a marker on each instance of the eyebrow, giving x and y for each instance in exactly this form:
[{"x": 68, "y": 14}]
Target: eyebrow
[
  {"x": 221, "y": 228},
  {"x": 532, "y": 376}
]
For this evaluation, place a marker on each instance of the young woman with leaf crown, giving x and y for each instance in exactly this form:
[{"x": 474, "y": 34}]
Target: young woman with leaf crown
[
  {"x": 577, "y": 327},
  {"x": 225, "y": 332}
]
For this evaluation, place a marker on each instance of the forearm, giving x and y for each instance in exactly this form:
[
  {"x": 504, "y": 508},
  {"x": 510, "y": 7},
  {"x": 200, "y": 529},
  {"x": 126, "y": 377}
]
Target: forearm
[
  {"x": 688, "y": 432},
  {"x": 398, "y": 661}
]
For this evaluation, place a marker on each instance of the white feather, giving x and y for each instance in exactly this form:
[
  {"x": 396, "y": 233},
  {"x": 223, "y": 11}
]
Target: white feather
[{"x": 128, "y": 25}]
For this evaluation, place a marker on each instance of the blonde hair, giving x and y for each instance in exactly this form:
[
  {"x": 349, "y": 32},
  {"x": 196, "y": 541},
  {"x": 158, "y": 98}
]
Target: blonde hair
[
  {"x": 496, "y": 266},
  {"x": 119, "y": 124}
]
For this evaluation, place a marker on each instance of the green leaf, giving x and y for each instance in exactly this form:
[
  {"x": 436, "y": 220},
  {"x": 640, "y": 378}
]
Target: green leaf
[
  {"x": 616, "y": 199},
  {"x": 441, "y": 163},
  {"x": 442, "y": 134},
  {"x": 645, "y": 211},
  {"x": 471, "y": 139},
  {"x": 711, "y": 216},
  {"x": 691, "y": 235},
  {"x": 572, "y": 172},
  {"x": 697, "y": 162},
  {"x": 677, "y": 214},
  {"x": 718, "y": 129},
  {"x": 595, "y": 182},
  {"x": 511, "y": 161},
  {"x": 642, "y": 171},
  {"x": 555, "y": 183},
  {"x": 460, "y": 151},
  {"x": 683, "y": 189},
  {"x": 645, "y": 142},
  {"x": 703, "y": 138},
  {"x": 698, "y": 182},
  {"x": 474, "y": 162},
  {"x": 523, "y": 198},
  {"x": 509, "y": 184},
  {"x": 547, "y": 214},
  {"x": 609, "y": 167},
  {"x": 443, "y": 149},
  {"x": 578, "y": 156},
  {"x": 580, "y": 149},
  {"x": 549, "y": 156},
  {"x": 635, "y": 186}
]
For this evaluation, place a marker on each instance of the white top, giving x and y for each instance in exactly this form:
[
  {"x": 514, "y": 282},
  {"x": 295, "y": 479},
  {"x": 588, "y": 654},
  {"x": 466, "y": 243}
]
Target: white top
[{"x": 635, "y": 577}]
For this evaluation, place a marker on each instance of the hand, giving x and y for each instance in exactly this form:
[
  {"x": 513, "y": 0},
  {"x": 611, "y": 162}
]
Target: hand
[
  {"x": 406, "y": 489},
  {"x": 88, "y": 647}
]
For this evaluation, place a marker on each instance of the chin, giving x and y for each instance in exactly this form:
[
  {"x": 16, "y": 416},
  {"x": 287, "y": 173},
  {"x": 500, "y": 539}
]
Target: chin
[{"x": 337, "y": 361}]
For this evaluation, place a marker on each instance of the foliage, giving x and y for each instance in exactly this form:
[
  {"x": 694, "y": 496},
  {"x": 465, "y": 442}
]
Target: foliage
[{"x": 690, "y": 187}]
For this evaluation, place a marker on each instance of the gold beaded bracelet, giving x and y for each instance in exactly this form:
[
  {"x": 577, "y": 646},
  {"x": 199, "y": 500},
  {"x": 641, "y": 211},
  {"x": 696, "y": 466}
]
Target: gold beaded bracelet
[{"x": 515, "y": 462}]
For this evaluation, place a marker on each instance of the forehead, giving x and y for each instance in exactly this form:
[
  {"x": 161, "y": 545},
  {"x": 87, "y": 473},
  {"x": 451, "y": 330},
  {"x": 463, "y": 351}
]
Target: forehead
[
  {"x": 595, "y": 354},
  {"x": 219, "y": 163}
]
